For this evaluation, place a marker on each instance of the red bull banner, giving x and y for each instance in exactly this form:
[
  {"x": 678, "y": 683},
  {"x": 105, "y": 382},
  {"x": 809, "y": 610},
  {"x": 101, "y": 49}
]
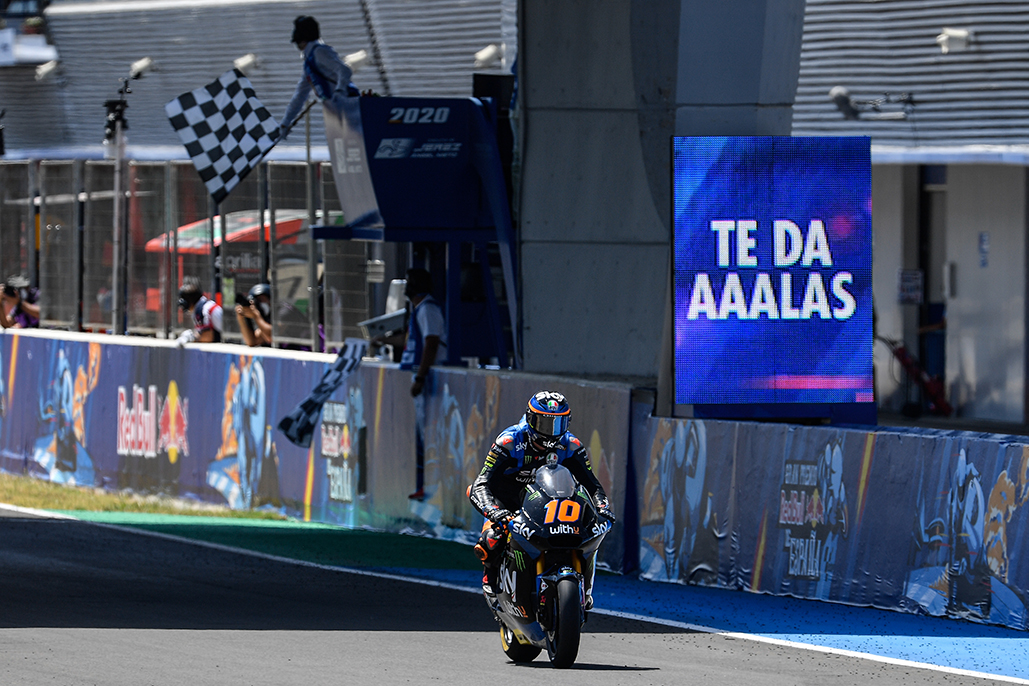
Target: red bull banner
[
  {"x": 199, "y": 423},
  {"x": 929, "y": 522}
]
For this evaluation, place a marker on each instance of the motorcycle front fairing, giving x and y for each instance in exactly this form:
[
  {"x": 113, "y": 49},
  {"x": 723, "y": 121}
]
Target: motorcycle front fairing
[{"x": 551, "y": 538}]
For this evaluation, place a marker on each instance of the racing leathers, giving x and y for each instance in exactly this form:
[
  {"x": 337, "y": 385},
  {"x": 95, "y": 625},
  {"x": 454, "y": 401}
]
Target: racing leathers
[{"x": 510, "y": 466}]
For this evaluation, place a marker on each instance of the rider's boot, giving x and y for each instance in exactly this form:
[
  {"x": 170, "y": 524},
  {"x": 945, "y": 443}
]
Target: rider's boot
[
  {"x": 489, "y": 580},
  {"x": 488, "y": 550}
]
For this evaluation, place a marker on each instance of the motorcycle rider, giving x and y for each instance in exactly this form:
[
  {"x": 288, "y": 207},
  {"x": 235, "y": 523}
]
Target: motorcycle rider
[{"x": 511, "y": 465}]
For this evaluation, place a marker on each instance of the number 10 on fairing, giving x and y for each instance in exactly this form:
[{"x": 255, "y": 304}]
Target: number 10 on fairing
[{"x": 563, "y": 510}]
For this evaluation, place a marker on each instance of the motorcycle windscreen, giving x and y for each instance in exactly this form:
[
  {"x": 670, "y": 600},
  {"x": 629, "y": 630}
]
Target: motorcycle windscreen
[{"x": 556, "y": 481}]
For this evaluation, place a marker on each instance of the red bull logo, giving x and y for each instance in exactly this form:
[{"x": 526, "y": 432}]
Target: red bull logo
[
  {"x": 335, "y": 440},
  {"x": 137, "y": 428},
  {"x": 173, "y": 424}
]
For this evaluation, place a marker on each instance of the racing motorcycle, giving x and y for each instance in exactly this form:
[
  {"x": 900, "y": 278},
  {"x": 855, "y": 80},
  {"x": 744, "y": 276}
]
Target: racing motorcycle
[{"x": 541, "y": 599}]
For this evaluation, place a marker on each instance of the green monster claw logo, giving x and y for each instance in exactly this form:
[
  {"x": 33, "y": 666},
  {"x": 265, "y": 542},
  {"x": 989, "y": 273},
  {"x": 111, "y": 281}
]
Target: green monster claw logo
[
  {"x": 520, "y": 560},
  {"x": 490, "y": 461}
]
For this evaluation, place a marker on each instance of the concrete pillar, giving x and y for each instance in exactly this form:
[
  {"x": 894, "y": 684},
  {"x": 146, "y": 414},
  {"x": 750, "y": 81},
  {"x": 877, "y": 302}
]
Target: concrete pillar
[{"x": 604, "y": 85}]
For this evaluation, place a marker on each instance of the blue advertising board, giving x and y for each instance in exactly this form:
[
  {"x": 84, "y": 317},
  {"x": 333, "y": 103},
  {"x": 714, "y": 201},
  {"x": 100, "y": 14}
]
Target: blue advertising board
[{"x": 773, "y": 270}]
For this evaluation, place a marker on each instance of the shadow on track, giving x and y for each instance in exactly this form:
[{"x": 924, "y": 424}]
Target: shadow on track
[
  {"x": 543, "y": 663},
  {"x": 60, "y": 573}
]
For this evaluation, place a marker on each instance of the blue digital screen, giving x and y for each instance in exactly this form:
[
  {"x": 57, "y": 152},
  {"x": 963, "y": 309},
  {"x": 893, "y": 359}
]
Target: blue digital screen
[{"x": 773, "y": 270}]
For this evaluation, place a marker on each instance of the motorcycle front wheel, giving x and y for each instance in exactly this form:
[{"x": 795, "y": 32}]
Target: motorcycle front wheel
[
  {"x": 563, "y": 646},
  {"x": 517, "y": 652}
]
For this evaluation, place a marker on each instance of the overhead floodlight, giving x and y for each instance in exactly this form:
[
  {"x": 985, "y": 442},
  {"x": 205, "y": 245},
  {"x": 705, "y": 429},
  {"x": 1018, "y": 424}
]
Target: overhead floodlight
[
  {"x": 246, "y": 62},
  {"x": 46, "y": 71},
  {"x": 488, "y": 56},
  {"x": 954, "y": 40},
  {"x": 853, "y": 109},
  {"x": 141, "y": 67},
  {"x": 356, "y": 60}
]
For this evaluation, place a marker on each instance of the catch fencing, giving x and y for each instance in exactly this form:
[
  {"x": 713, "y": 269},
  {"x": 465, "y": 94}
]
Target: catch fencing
[{"x": 57, "y": 229}]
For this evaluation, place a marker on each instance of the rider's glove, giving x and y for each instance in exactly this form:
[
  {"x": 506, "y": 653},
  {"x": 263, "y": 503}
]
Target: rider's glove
[
  {"x": 604, "y": 510},
  {"x": 499, "y": 515}
]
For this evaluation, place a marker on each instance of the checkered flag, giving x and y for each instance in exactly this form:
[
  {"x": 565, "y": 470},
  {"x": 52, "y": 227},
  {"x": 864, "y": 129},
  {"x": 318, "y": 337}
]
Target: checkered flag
[
  {"x": 226, "y": 130},
  {"x": 299, "y": 425}
]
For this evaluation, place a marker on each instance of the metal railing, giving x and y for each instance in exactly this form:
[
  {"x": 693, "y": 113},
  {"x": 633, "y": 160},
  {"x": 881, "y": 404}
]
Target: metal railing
[{"x": 57, "y": 229}]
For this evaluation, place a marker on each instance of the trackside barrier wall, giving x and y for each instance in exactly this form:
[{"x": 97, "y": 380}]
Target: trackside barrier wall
[
  {"x": 199, "y": 422},
  {"x": 920, "y": 521},
  {"x": 923, "y": 521}
]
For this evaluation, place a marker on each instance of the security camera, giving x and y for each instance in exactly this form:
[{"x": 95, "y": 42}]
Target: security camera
[
  {"x": 954, "y": 40},
  {"x": 140, "y": 67},
  {"x": 246, "y": 62},
  {"x": 488, "y": 56},
  {"x": 844, "y": 103},
  {"x": 46, "y": 70},
  {"x": 356, "y": 60}
]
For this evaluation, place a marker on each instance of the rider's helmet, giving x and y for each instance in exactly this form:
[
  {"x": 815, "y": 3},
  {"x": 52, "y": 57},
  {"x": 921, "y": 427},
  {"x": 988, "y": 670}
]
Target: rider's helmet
[{"x": 547, "y": 416}]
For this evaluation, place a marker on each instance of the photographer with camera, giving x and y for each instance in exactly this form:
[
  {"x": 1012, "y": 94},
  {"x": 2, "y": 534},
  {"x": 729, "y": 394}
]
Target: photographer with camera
[
  {"x": 18, "y": 306},
  {"x": 254, "y": 315}
]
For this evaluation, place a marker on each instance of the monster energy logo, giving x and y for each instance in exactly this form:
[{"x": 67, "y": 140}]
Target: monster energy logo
[
  {"x": 521, "y": 560},
  {"x": 534, "y": 495}
]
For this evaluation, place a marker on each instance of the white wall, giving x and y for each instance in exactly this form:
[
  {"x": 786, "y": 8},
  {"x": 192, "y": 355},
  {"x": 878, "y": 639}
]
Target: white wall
[
  {"x": 986, "y": 326},
  {"x": 887, "y": 258},
  {"x": 894, "y": 247}
]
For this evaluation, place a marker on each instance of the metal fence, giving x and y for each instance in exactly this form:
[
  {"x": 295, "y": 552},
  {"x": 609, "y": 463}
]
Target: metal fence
[{"x": 57, "y": 229}]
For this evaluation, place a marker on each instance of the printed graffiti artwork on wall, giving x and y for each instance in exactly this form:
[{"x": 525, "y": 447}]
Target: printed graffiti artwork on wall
[
  {"x": 679, "y": 523},
  {"x": 61, "y": 449},
  {"x": 813, "y": 513},
  {"x": 960, "y": 562},
  {"x": 601, "y": 461},
  {"x": 3, "y": 393},
  {"x": 85, "y": 382},
  {"x": 229, "y": 444},
  {"x": 1006, "y": 497},
  {"x": 245, "y": 469},
  {"x": 454, "y": 451},
  {"x": 480, "y": 429}
]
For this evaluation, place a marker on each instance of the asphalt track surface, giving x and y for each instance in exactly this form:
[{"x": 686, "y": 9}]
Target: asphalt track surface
[{"x": 96, "y": 604}]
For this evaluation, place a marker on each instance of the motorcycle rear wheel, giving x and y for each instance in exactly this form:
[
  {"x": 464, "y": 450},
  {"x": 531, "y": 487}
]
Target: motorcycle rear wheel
[
  {"x": 563, "y": 646},
  {"x": 517, "y": 652}
]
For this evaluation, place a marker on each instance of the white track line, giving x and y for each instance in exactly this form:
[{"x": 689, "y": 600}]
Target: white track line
[{"x": 454, "y": 587}]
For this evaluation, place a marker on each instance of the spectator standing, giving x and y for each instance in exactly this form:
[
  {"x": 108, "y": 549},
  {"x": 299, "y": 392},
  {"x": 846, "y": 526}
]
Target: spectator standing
[
  {"x": 426, "y": 343},
  {"x": 207, "y": 314},
  {"x": 18, "y": 304},
  {"x": 254, "y": 316}
]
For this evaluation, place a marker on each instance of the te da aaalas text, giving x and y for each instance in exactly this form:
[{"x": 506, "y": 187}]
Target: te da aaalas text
[{"x": 791, "y": 248}]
